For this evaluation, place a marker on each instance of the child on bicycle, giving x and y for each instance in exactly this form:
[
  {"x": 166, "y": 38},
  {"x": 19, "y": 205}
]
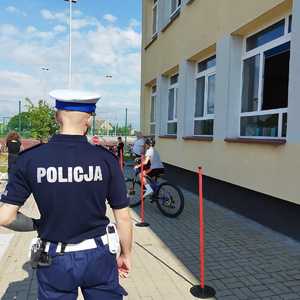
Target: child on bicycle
[{"x": 152, "y": 164}]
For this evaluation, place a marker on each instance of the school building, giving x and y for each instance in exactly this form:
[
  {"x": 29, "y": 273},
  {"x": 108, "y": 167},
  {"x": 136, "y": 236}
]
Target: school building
[{"x": 221, "y": 89}]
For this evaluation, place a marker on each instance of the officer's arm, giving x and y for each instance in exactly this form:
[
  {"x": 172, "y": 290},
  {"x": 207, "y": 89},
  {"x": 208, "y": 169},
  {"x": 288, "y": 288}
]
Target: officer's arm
[
  {"x": 14, "y": 220},
  {"x": 124, "y": 226}
]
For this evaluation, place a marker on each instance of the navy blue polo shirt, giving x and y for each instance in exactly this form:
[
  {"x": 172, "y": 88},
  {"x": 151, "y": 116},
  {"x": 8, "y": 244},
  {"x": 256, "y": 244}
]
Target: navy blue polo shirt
[{"x": 70, "y": 180}]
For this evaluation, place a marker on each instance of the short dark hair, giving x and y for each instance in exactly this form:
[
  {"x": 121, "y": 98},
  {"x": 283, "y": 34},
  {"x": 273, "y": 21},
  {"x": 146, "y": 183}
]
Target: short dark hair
[{"x": 150, "y": 142}]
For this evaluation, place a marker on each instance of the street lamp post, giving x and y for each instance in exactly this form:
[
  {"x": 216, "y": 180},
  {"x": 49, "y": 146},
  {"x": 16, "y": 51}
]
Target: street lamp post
[
  {"x": 70, "y": 42},
  {"x": 44, "y": 69},
  {"x": 20, "y": 116}
]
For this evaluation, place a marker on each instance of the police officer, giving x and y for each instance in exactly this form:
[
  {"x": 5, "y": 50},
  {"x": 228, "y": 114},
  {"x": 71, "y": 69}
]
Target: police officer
[{"x": 71, "y": 180}]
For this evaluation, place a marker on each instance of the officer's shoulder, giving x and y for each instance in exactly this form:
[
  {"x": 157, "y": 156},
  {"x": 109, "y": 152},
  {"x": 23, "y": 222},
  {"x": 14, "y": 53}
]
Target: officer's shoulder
[
  {"x": 106, "y": 151},
  {"x": 31, "y": 149}
]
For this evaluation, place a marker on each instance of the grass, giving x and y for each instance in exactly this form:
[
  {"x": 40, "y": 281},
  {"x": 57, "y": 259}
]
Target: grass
[
  {"x": 3, "y": 158},
  {"x": 3, "y": 169},
  {"x": 3, "y": 162}
]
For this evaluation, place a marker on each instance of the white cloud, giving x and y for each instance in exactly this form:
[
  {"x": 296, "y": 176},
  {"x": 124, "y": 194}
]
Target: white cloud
[
  {"x": 48, "y": 15},
  {"x": 60, "y": 28},
  {"x": 11, "y": 9},
  {"x": 63, "y": 17},
  {"x": 33, "y": 32},
  {"x": 31, "y": 29},
  {"x": 110, "y": 18},
  {"x": 134, "y": 23},
  {"x": 77, "y": 13},
  {"x": 8, "y": 30},
  {"x": 14, "y": 10},
  {"x": 81, "y": 23}
]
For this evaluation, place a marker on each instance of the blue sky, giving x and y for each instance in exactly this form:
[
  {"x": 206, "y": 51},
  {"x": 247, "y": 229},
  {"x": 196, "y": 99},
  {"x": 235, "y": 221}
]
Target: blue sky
[{"x": 34, "y": 34}]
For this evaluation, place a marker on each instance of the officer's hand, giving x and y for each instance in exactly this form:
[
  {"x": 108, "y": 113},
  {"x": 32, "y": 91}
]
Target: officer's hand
[{"x": 124, "y": 266}]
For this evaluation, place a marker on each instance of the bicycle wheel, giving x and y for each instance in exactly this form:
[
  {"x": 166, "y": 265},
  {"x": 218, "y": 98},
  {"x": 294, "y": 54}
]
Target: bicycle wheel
[
  {"x": 170, "y": 200},
  {"x": 133, "y": 192}
]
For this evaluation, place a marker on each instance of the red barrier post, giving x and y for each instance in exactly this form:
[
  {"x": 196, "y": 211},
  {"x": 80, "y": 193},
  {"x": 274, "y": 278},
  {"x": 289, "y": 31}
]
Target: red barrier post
[
  {"x": 200, "y": 184},
  {"x": 202, "y": 291},
  {"x": 142, "y": 212}
]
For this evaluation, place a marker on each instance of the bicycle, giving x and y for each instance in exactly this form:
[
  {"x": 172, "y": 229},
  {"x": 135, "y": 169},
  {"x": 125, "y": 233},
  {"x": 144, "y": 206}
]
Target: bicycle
[{"x": 168, "y": 197}]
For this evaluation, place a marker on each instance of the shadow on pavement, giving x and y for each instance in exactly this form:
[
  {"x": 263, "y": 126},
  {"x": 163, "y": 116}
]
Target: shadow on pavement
[{"x": 25, "y": 289}]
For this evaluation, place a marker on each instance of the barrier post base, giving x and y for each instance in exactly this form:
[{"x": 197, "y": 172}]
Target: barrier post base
[
  {"x": 206, "y": 293},
  {"x": 142, "y": 224}
]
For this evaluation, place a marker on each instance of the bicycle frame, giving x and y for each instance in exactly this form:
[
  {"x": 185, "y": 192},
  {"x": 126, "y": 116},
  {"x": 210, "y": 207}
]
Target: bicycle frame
[{"x": 153, "y": 183}]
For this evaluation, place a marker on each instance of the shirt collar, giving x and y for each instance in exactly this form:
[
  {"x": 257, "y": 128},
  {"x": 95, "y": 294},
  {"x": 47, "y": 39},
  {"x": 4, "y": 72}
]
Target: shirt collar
[{"x": 69, "y": 138}]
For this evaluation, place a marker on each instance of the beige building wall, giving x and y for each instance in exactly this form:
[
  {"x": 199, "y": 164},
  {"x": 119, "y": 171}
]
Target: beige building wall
[{"x": 269, "y": 169}]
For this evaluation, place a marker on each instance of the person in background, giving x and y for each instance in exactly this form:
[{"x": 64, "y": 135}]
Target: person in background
[
  {"x": 120, "y": 147},
  {"x": 138, "y": 146},
  {"x": 152, "y": 164},
  {"x": 14, "y": 146}
]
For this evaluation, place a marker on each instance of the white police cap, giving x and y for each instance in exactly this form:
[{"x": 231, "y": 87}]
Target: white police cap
[{"x": 75, "y": 100}]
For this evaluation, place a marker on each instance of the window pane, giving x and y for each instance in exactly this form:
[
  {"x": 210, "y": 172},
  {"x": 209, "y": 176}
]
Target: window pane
[
  {"x": 204, "y": 127},
  {"x": 265, "y": 125},
  {"x": 153, "y": 104},
  {"x": 172, "y": 128},
  {"x": 267, "y": 35},
  {"x": 154, "y": 28},
  {"x": 284, "y": 124},
  {"x": 211, "y": 94},
  {"x": 250, "y": 84},
  {"x": 206, "y": 64},
  {"x": 200, "y": 89},
  {"x": 154, "y": 88},
  {"x": 171, "y": 105},
  {"x": 152, "y": 129},
  {"x": 290, "y": 23},
  {"x": 173, "y": 5},
  {"x": 276, "y": 77},
  {"x": 174, "y": 79}
]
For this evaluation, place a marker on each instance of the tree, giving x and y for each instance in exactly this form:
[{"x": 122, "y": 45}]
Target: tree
[
  {"x": 13, "y": 123},
  {"x": 42, "y": 119}
]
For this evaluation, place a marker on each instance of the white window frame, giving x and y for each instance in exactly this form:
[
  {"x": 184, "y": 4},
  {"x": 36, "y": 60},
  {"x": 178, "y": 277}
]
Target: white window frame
[
  {"x": 178, "y": 5},
  {"x": 175, "y": 112},
  {"x": 206, "y": 73},
  {"x": 155, "y": 6},
  {"x": 260, "y": 50},
  {"x": 153, "y": 94}
]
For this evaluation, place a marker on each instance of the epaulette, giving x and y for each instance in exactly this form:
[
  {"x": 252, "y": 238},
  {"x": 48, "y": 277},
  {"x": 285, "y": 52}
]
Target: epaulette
[
  {"x": 31, "y": 148},
  {"x": 107, "y": 150}
]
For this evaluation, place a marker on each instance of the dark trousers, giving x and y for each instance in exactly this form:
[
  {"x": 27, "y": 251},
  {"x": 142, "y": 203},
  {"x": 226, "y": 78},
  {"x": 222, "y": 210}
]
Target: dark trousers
[{"x": 94, "y": 271}]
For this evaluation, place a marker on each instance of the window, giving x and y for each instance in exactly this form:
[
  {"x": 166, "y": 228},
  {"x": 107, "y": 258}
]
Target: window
[
  {"x": 269, "y": 34},
  {"x": 265, "y": 82},
  {"x": 154, "y": 17},
  {"x": 205, "y": 97},
  {"x": 175, "y": 5},
  {"x": 152, "y": 111},
  {"x": 172, "y": 105}
]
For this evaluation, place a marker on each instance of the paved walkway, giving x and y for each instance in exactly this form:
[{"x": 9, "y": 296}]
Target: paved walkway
[{"x": 243, "y": 259}]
